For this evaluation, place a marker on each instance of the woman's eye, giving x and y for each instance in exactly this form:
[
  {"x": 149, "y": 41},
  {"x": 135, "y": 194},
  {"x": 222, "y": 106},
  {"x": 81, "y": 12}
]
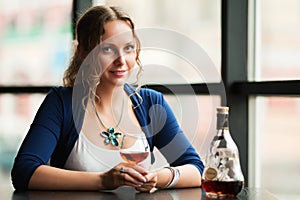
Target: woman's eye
[
  {"x": 129, "y": 48},
  {"x": 106, "y": 49}
]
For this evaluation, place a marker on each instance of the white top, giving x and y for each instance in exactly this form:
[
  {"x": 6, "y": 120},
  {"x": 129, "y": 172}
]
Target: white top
[{"x": 86, "y": 156}]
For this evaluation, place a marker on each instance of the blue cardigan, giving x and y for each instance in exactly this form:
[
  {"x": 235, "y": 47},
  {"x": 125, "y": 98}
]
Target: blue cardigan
[{"x": 53, "y": 133}]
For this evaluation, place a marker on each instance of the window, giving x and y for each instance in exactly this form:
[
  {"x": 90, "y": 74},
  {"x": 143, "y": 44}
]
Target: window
[
  {"x": 280, "y": 42},
  {"x": 35, "y": 41},
  {"x": 275, "y": 40},
  {"x": 35, "y": 38},
  {"x": 278, "y": 144}
]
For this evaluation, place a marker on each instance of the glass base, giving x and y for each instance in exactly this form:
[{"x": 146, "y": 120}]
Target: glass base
[{"x": 211, "y": 195}]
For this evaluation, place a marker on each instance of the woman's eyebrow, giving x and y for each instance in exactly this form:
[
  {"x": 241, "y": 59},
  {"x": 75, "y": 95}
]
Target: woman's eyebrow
[
  {"x": 131, "y": 42},
  {"x": 113, "y": 44}
]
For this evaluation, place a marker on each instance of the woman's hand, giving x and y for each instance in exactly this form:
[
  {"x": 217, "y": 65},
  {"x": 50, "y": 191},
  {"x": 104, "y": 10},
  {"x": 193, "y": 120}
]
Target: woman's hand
[
  {"x": 148, "y": 186},
  {"x": 124, "y": 174}
]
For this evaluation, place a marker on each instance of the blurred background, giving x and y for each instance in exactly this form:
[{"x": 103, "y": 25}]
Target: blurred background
[{"x": 36, "y": 45}]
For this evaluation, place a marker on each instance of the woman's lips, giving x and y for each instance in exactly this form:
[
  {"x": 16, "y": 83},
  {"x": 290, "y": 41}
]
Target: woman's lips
[{"x": 118, "y": 73}]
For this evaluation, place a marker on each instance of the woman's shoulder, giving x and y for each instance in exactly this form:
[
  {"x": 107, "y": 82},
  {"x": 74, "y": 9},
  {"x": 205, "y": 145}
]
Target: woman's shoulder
[
  {"x": 144, "y": 92},
  {"x": 151, "y": 96},
  {"x": 60, "y": 92},
  {"x": 149, "y": 92}
]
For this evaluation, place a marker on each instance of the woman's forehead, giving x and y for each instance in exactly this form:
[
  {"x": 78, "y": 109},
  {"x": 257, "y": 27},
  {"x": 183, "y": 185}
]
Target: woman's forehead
[{"x": 117, "y": 31}]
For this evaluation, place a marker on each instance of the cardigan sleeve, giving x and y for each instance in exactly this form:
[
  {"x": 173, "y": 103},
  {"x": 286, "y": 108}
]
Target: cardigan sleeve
[
  {"x": 168, "y": 137},
  {"x": 40, "y": 141}
]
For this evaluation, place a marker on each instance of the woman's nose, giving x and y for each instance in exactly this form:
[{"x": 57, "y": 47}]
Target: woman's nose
[{"x": 120, "y": 60}]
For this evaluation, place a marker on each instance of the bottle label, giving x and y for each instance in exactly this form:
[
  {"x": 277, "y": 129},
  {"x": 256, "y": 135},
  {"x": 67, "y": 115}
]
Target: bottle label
[{"x": 211, "y": 173}]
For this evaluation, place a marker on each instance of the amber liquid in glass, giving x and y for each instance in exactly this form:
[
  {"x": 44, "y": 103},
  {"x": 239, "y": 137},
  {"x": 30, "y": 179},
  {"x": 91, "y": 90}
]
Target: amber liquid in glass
[
  {"x": 222, "y": 188},
  {"x": 134, "y": 157}
]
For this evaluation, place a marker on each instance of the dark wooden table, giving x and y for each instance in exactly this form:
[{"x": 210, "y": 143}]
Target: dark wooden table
[{"x": 126, "y": 193}]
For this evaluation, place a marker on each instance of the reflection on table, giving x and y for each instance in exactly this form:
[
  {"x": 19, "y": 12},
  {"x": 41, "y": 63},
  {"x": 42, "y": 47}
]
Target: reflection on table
[{"x": 127, "y": 193}]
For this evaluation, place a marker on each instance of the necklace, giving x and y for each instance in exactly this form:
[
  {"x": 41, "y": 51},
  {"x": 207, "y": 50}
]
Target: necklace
[{"x": 110, "y": 136}]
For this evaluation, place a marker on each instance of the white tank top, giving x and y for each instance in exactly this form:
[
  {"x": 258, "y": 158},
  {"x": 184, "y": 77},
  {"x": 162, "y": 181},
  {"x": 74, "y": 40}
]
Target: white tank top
[{"x": 86, "y": 156}]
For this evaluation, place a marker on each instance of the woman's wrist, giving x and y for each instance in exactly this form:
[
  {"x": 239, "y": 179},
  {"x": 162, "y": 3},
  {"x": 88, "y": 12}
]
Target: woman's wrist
[
  {"x": 99, "y": 183},
  {"x": 168, "y": 177},
  {"x": 175, "y": 179},
  {"x": 164, "y": 176}
]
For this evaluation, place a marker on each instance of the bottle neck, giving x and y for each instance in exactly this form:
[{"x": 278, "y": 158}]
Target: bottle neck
[{"x": 222, "y": 121}]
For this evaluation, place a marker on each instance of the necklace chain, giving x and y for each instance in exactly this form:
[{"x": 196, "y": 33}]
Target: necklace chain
[{"x": 100, "y": 120}]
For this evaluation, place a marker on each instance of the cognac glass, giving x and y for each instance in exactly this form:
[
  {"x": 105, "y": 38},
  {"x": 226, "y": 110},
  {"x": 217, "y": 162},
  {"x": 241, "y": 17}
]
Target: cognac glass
[{"x": 134, "y": 148}]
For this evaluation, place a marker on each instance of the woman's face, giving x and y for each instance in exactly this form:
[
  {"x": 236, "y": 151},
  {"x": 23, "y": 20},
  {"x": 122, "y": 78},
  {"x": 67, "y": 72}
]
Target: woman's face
[{"x": 117, "y": 52}]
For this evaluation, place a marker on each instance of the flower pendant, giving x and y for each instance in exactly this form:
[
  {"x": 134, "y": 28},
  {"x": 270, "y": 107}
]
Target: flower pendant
[{"x": 111, "y": 136}]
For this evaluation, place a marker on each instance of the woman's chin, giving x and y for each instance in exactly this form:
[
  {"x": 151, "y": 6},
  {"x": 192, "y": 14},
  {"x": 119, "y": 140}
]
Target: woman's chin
[{"x": 120, "y": 82}]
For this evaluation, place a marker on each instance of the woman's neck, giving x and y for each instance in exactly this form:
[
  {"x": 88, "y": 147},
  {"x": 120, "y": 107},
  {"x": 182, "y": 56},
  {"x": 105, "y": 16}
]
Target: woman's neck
[{"x": 110, "y": 95}]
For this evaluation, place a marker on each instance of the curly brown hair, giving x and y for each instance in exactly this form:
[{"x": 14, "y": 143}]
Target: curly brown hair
[{"x": 89, "y": 29}]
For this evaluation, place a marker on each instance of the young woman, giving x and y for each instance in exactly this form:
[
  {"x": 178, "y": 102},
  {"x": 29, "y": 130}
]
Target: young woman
[{"x": 61, "y": 152}]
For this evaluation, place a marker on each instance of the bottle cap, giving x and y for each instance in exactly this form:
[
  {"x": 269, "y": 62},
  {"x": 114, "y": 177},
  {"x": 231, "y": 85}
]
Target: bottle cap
[{"x": 223, "y": 110}]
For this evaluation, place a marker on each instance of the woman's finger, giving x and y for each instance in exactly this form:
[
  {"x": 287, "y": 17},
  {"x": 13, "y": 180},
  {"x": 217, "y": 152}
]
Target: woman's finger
[
  {"x": 130, "y": 177},
  {"x": 151, "y": 176},
  {"x": 133, "y": 173},
  {"x": 146, "y": 188},
  {"x": 140, "y": 169}
]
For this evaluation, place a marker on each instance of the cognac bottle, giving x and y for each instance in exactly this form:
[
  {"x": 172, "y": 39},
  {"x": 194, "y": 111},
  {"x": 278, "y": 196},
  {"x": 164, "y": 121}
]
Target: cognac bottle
[{"x": 222, "y": 175}]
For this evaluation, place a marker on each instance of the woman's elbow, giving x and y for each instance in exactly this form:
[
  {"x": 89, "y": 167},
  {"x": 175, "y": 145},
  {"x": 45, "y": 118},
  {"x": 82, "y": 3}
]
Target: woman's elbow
[
  {"x": 21, "y": 174},
  {"x": 18, "y": 181}
]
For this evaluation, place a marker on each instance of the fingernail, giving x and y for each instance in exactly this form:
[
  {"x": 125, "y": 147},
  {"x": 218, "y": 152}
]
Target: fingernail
[
  {"x": 153, "y": 190},
  {"x": 140, "y": 184},
  {"x": 144, "y": 179}
]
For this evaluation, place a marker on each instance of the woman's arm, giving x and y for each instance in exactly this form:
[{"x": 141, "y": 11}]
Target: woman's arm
[
  {"x": 41, "y": 139},
  {"x": 189, "y": 176},
  {"x": 50, "y": 178}
]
